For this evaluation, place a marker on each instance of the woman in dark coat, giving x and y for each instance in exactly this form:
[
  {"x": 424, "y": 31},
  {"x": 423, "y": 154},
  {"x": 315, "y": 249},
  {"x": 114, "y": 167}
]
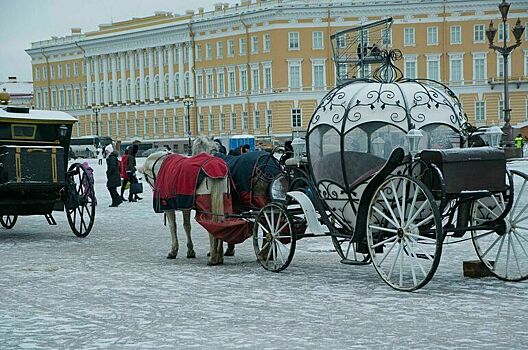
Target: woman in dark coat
[
  {"x": 113, "y": 178},
  {"x": 131, "y": 171}
]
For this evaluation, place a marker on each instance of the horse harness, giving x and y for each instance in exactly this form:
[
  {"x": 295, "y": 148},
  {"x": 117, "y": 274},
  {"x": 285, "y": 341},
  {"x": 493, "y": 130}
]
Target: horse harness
[{"x": 152, "y": 170}]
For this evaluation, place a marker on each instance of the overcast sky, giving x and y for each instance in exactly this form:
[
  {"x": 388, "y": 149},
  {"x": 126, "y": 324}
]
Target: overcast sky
[{"x": 26, "y": 21}]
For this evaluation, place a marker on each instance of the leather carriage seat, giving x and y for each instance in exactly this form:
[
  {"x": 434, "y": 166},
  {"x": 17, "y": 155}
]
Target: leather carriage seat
[{"x": 359, "y": 166}]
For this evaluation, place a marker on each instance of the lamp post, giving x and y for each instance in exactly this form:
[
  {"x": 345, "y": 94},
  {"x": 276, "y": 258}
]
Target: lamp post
[
  {"x": 188, "y": 102},
  {"x": 96, "y": 110},
  {"x": 505, "y": 51}
]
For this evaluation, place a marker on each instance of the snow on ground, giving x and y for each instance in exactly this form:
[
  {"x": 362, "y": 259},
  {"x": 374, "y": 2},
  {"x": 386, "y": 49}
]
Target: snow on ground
[{"x": 116, "y": 289}]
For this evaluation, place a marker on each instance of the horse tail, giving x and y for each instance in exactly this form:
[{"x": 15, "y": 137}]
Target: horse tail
[{"x": 218, "y": 189}]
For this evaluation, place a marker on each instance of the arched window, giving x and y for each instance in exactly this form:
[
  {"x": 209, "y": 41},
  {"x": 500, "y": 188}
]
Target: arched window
[
  {"x": 138, "y": 88},
  {"x": 186, "y": 85},
  {"x": 177, "y": 84},
  {"x": 156, "y": 87},
  {"x": 166, "y": 86},
  {"x": 129, "y": 90},
  {"x": 119, "y": 90},
  {"x": 101, "y": 91},
  {"x": 111, "y": 91},
  {"x": 147, "y": 88}
]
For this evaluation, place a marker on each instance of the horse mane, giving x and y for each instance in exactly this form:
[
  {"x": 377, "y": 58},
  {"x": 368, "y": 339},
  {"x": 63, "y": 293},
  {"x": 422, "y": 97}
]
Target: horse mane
[{"x": 203, "y": 144}]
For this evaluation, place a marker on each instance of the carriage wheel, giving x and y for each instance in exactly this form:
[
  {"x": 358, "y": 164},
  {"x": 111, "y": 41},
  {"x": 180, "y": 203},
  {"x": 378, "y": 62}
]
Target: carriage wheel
[
  {"x": 404, "y": 233},
  {"x": 8, "y": 221},
  {"x": 80, "y": 204},
  {"x": 274, "y": 237},
  {"x": 347, "y": 251},
  {"x": 504, "y": 250}
]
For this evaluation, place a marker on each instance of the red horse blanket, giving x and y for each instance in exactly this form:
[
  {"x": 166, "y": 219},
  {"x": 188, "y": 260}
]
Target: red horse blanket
[
  {"x": 177, "y": 180},
  {"x": 175, "y": 189}
]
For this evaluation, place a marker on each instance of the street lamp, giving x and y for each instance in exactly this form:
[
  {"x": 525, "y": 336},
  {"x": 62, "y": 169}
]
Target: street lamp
[
  {"x": 188, "y": 102},
  {"x": 505, "y": 51},
  {"x": 96, "y": 110}
]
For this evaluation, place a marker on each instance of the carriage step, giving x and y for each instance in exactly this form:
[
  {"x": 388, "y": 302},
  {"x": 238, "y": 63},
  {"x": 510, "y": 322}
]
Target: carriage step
[
  {"x": 50, "y": 219},
  {"x": 355, "y": 262}
]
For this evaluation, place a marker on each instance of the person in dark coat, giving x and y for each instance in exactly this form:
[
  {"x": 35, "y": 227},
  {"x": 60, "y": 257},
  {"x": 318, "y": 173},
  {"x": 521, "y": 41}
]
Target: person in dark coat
[
  {"x": 113, "y": 178},
  {"x": 221, "y": 148},
  {"x": 131, "y": 171}
]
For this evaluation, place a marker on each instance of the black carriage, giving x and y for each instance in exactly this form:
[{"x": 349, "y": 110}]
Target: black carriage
[
  {"x": 34, "y": 175},
  {"x": 390, "y": 177}
]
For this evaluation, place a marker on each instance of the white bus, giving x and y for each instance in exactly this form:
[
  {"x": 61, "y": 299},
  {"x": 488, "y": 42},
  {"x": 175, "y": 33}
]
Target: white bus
[{"x": 85, "y": 146}]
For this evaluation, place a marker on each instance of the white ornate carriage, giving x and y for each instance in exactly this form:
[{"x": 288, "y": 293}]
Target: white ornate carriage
[{"x": 389, "y": 176}]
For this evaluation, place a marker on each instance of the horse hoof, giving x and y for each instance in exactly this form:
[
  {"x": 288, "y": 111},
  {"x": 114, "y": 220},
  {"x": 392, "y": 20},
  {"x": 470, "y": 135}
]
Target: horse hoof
[
  {"x": 229, "y": 252},
  {"x": 191, "y": 255},
  {"x": 171, "y": 256}
]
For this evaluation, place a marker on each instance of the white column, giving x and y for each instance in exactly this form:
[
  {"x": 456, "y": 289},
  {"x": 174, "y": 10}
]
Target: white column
[
  {"x": 122, "y": 64},
  {"x": 161, "y": 74},
  {"x": 141, "y": 76},
  {"x": 132, "y": 73},
  {"x": 115, "y": 98},
  {"x": 170, "y": 63},
  {"x": 106, "y": 98},
  {"x": 191, "y": 70},
  {"x": 89, "y": 97},
  {"x": 150, "y": 52},
  {"x": 181, "y": 69},
  {"x": 97, "y": 81}
]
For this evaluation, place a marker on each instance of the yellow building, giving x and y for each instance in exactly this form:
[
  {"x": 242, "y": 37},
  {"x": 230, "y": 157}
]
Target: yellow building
[{"x": 261, "y": 67}]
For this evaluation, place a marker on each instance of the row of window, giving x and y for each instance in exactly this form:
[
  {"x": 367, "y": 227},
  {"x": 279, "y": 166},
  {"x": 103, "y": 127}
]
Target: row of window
[
  {"x": 58, "y": 71},
  {"x": 455, "y": 34},
  {"x": 480, "y": 111},
  {"x": 456, "y": 67},
  {"x": 129, "y": 124}
]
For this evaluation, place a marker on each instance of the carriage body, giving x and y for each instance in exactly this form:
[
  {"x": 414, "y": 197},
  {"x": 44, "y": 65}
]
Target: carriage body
[
  {"x": 389, "y": 175},
  {"x": 34, "y": 174}
]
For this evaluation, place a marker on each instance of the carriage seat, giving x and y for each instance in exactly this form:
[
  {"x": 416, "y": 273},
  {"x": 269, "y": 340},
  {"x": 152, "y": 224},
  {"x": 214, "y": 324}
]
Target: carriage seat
[{"x": 359, "y": 166}]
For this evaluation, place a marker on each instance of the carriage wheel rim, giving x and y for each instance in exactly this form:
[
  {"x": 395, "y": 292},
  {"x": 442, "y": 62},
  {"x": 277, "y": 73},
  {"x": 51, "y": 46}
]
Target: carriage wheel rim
[
  {"x": 504, "y": 254},
  {"x": 404, "y": 233},
  {"x": 82, "y": 217},
  {"x": 273, "y": 241}
]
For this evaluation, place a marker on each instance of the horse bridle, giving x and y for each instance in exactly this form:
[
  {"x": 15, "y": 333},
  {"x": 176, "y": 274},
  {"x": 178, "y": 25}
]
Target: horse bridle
[{"x": 152, "y": 170}]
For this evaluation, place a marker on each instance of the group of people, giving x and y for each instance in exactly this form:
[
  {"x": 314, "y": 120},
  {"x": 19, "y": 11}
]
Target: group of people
[
  {"x": 233, "y": 152},
  {"x": 120, "y": 173}
]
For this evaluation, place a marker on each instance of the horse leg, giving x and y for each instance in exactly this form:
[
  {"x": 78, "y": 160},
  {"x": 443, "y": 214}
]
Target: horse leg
[
  {"x": 171, "y": 218},
  {"x": 213, "y": 258},
  {"x": 187, "y": 227},
  {"x": 230, "y": 250},
  {"x": 220, "y": 251}
]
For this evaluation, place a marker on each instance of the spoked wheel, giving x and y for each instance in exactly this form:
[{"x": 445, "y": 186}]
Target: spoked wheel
[
  {"x": 504, "y": 250},
  {"x": 404, "y": 233},
  {"x": 274, "y": 237},
  {"x": 80, "y": 201},
  {"x": 347, "y": 251},
  {"x": 8, "y": 221}
]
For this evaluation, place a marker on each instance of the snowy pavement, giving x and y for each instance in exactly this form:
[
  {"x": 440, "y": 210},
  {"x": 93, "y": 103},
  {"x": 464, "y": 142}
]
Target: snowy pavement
[{"x": 115, "y": 289}]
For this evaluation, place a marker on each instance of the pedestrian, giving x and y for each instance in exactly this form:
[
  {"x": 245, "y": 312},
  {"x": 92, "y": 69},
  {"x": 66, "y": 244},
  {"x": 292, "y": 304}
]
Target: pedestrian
[
  {"x": 131, "y": 172},
  {"x": 221, "y": 148},
  {"x": 99, "y": 153},
  {"x": 113, "y": 178},
  {"x": 124, "y": 177}
]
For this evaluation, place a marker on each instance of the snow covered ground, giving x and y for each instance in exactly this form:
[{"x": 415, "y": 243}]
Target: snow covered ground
[{"x": 116, "y": 289}]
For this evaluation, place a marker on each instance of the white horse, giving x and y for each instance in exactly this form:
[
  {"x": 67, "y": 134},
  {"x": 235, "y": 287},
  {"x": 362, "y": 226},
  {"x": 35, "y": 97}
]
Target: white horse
[{"x": 214, "y": 187}]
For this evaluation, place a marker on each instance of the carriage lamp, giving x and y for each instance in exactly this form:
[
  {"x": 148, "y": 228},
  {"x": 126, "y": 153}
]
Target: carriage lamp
[
  {"x": 414, "y": 136},
  {"x": 63, "y": 130},
  {"x": 493, "y": 135},
  {"x": 378, "y": 146},
  {"x": 298, "y": 146}
]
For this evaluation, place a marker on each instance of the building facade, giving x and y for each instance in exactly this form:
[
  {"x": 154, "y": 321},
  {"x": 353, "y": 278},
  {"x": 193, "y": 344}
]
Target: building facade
[
  {"x": 20, "y": 92},
  {"x": 261, "y": 67}
]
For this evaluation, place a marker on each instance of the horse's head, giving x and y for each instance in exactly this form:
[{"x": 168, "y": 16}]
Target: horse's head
[
  {"x": 203, "y": 144},
  {"x": 152, "y": 166}
]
